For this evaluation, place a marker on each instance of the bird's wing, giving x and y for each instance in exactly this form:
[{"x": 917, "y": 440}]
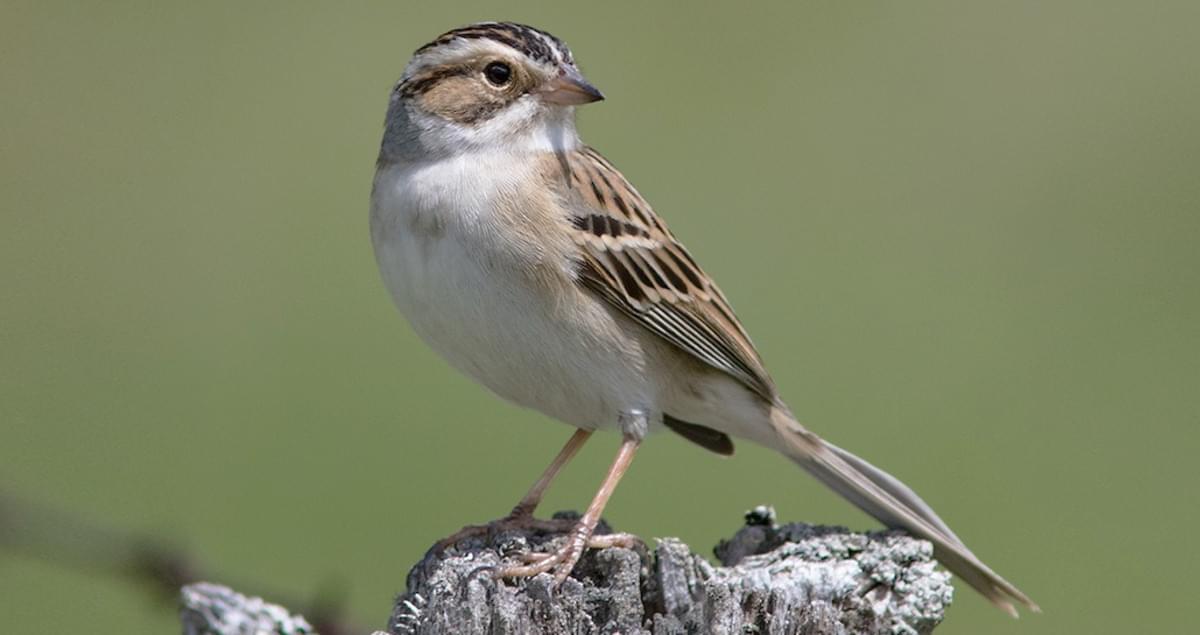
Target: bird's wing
[{"x": 630, "y": 258}]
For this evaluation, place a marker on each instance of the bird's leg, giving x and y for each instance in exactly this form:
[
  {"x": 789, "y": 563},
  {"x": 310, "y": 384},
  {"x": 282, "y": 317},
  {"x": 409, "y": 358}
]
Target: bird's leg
[
  {"x": 521, "y": 516},
  {"x": 580, "y": 537},
  {"x": 533, "y": 497}
]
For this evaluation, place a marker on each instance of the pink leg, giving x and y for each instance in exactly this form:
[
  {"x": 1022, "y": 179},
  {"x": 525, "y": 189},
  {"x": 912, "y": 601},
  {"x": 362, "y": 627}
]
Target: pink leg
[
  {"x": 533, "y": 497},
  {"x": 564, "y": 559},
  {"x": 521, "y": 516}
]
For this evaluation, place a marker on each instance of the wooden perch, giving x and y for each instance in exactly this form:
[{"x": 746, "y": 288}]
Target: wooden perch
[
  {"x": 212, "y": 609},
  {"x": 793, "y": 579}
]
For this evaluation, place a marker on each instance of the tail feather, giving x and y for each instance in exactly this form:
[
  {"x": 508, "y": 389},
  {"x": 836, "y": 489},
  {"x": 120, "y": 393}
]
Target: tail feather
[{"x": 894, "y": 504}]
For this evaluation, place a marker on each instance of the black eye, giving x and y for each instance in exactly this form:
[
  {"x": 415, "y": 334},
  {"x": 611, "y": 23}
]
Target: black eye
[{"x": 498, "y": 73}]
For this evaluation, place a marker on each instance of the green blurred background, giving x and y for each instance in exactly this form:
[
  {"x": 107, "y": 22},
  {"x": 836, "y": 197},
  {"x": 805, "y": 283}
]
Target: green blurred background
[{"x": 963, "y": 234}]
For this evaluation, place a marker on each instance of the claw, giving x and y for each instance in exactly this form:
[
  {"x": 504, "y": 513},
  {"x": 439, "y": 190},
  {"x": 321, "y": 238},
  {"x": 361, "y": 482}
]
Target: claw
[
  {"x": 518, "y": 519},
  {"x": 624, "y": 541},
  {"x": 563, "y": 560},
  {"x": 470, "y": 531},
  {"x": 530, "y": 557}
]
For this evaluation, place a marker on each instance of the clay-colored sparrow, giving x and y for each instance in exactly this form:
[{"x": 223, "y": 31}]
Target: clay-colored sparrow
[{"x": 532, "y": 265}]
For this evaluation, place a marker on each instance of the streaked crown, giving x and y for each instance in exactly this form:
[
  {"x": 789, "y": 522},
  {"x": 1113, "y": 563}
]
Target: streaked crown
[
  {"x": 533, "y": 43},
  {"x": 470, "y": 75}
]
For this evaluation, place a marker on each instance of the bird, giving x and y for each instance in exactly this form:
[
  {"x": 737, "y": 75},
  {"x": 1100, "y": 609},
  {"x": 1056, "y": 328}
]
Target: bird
[{"x": 531, "y": 264}]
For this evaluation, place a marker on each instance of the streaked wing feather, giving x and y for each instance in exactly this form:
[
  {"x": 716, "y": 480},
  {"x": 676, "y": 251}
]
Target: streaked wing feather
[{"x": 632, "y": 260}]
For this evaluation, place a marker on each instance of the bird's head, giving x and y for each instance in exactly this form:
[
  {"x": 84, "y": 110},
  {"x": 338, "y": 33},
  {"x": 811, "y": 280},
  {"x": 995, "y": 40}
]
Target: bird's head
[{"x": 490, "y": 86}]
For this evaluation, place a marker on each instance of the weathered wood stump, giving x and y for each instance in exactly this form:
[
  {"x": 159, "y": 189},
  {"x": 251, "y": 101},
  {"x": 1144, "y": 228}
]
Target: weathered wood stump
[{"x": 793, "y": 579}]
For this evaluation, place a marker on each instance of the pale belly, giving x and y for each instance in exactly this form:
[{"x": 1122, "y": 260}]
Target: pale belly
[{"x": 566, "y": 356}]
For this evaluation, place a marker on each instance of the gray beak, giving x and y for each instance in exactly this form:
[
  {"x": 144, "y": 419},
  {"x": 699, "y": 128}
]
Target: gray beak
[{"x": 570, "y": 89}]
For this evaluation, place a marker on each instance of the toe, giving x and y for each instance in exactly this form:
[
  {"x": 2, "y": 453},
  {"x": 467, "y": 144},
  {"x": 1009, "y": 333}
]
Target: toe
[{"x": 626, "y": 541}]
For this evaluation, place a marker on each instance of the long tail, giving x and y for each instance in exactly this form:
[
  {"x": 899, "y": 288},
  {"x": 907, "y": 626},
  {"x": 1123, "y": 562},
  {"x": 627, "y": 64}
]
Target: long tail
[{"x": 894, "y": 504}]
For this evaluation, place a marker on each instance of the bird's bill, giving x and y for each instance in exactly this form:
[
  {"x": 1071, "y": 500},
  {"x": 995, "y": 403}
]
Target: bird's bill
[{"x": 570, "y": 89}]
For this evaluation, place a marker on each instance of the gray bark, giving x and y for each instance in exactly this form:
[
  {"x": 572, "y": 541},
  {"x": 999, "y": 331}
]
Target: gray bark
[
  {"x": 212, "y": 609},
  {"x": 793, "y": 579}
]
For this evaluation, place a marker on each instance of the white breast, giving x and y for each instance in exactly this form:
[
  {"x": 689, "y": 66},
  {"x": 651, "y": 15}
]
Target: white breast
[{"x": 462, "y": 277}]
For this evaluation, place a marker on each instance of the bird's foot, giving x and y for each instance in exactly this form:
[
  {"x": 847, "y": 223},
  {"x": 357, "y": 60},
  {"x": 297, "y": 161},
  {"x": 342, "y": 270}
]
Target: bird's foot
[
  {"x": 562, "y": 561},
  {"x": 520, "y": 518}
]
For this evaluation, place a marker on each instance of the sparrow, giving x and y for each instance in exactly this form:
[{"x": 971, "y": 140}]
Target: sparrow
[{"x": 531, "y": 264}]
